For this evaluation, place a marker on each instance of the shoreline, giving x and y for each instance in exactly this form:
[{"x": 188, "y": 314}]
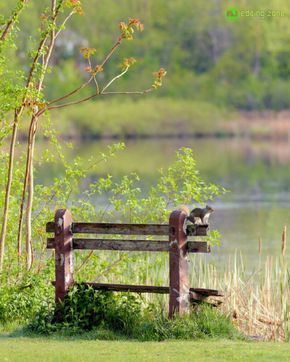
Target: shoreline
[
  {"x": 178, "y": 136},
  {"x": 165, "y": 118}
]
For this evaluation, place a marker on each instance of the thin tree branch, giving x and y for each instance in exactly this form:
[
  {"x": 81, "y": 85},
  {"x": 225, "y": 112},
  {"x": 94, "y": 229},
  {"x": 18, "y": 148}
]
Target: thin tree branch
[
  {"x": 70, "y": 103},
  {"x": 70, "y": 93},
  {"x": 97, "y": 84},
  {"x": 113, "y": 80},
  {"x": 91, "y": 97},
  {"x": 94, "y": 76},
  {"x": 115, "y": 46},
  {"x": 86, "y": 259},
  {"x": 41, "y": 45},
  {"x": 44, "y": 206},
  {"x": 129, "y": 92},
  {"x": 64, "y": 22},
  {"x": 12, "y": 20}
]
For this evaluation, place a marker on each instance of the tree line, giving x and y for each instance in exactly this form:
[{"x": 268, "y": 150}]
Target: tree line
[{"x": 243, "y": 63}]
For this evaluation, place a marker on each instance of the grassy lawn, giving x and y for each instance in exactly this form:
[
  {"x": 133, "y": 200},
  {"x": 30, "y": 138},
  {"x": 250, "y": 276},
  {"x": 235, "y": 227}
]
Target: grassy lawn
[{"x": 69, "y": 349}]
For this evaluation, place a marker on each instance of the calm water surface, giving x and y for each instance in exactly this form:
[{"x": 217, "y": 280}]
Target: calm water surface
[{"x": 257, "y": 173}]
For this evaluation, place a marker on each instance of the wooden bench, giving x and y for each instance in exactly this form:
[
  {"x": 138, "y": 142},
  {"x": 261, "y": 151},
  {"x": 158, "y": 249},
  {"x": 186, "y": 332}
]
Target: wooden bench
[{"x": 178, "y": 247}]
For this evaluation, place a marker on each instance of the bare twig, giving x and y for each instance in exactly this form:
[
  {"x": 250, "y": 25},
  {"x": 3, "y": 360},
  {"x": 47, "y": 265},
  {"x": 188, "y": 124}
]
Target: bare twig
[
  {"x": 93, "y": 96},
  {"x": 114, "y": 79},
  {"x": 70, "y": 93},
  {"x": 64, "y": 22},
  {"x": 94, "y": 76},
  {"x": 108, "y": 56},
  {"x": 111, "y": 52},
  {"x": 85, "y": 261},
  {"x": 130, "y": 92},
  {"x": 70, "y": 103}
]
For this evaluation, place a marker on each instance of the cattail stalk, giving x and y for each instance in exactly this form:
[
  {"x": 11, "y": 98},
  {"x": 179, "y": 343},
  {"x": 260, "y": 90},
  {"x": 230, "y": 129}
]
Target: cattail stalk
[
  {"x": 283, "y": 241},
  {"x": 260, "y": 245}
]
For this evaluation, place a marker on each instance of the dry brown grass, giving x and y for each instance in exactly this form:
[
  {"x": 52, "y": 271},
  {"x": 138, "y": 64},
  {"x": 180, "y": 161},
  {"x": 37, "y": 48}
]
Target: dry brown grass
[{"x": 257, "y": 301}]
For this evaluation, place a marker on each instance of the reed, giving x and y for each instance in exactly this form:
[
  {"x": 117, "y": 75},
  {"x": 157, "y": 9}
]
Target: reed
[
  {"x": 284, "y": 241},
  {"x": 256, "y": 299}
]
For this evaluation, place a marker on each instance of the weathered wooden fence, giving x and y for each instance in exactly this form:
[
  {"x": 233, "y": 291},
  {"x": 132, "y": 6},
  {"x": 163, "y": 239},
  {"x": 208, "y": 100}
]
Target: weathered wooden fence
[{"x": 180, "y": 293}]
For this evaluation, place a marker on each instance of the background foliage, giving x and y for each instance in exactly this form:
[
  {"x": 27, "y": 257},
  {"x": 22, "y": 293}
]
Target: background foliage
[{"x": 244, "y": 63}]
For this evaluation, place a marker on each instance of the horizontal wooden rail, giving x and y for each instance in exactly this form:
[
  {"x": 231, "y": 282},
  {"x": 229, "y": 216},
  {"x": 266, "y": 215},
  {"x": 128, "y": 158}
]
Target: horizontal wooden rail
[
  {"x": 196, "y": 230},
  {"x": 130, "y": 245},
  {"x": 149, "y": 289},
  {"x": 127, "y": 229}
]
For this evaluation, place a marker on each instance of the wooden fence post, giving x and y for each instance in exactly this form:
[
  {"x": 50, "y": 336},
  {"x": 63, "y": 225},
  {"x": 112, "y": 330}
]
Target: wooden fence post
[
  {"x": 178, "y": 265},
  {"x": 63, "y": 253}
]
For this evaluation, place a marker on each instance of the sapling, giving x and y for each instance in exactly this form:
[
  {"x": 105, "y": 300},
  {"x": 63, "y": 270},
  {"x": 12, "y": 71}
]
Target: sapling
[{"x": 33, "y": 101}]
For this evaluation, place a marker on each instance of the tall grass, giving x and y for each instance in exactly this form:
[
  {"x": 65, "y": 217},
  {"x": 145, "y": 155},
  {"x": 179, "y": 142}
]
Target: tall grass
[{"x": 257, "y": 300}]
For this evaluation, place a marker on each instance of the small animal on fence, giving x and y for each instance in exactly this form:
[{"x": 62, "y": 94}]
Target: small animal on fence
[{"x": 198, "y": 216}]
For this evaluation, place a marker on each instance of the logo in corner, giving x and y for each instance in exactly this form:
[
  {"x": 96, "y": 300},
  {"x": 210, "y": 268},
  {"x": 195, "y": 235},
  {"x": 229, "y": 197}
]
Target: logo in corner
[{"x": 232, "y": 13}]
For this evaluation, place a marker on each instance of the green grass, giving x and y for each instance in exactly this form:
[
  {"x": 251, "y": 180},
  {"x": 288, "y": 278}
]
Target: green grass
[{"x": 73, "y": 349}]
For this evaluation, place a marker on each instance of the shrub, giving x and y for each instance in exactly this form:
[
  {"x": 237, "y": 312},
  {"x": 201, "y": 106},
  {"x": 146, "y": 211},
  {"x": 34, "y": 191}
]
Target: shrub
[
  {"x": 84, "y": 309},
  {"x": 20, "y": 301},
  {"x": 125, "y": 315}
]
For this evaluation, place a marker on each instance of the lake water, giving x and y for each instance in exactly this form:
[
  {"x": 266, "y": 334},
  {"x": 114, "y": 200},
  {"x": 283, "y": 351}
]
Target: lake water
[{"x": 257, "y": 173}]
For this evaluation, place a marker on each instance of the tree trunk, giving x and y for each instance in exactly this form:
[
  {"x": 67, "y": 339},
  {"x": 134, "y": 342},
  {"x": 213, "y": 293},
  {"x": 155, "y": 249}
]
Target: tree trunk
[
  {"x": 8, "y": 190},
  {"x": 28, "y": 242}
]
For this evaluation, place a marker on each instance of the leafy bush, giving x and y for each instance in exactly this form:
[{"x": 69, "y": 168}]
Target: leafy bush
[
  {"x": 124, "y": 315},
  {"x": 84, "y": 309},
  {"x": 21, "y": 300}
]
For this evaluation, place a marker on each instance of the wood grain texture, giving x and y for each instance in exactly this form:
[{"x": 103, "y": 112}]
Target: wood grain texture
[
  {"x": 128, "y": 229},
  {"x": 178, "y": 265},
  {"x": 150, "y": 289},
  {"x": 130, "y": 245},
  {"x": 63, "y": 254}
]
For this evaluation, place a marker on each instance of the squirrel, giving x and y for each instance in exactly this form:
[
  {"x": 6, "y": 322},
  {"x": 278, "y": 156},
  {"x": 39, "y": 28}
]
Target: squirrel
[{"x": 198, "y": 215}]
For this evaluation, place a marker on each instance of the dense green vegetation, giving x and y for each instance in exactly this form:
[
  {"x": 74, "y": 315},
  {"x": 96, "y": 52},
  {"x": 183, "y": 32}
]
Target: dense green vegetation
[
  {"x": 126, "y": 315},
  {"x": 244, "y": 63}
]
